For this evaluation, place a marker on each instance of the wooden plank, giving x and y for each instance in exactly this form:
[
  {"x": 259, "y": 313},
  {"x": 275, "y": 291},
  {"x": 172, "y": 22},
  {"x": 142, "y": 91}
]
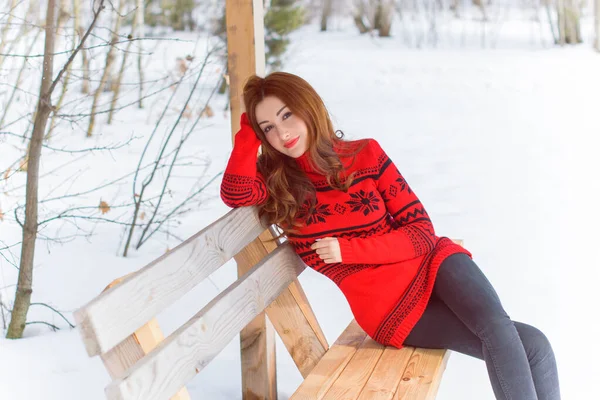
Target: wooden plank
[
  {"x": 331, "y": 365},
  {"x": 122, "y": 356},
  {"x": 353, "y": 379},
  {"x": 306, "y": 314},
  {"x": 190, "y": 348},
  {"x": 300, "y": 297},
  {"x": 300, "y": 337},
  {"x": 134, "y": 348},
  {"x": 291, "y": 315},
  {"x": 386, "y": 376},
  {"x": 295, "y": 321},
  {"x": 104, "y": 322},
  {"x": 423, "y": 374}
]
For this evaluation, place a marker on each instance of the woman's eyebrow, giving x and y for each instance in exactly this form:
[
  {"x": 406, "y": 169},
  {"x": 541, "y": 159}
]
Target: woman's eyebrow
[{"x": 277, "y": 115}]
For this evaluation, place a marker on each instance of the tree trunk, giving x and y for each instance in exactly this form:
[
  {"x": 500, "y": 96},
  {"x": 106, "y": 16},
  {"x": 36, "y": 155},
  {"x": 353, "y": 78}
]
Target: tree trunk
[
  {"x": 479, "y": 3},
  {"x": 358, "y": 16},
  {"x": 597, "y": 41},
  {"x": 139, "y": 15},
  {"x": 385, "y": 15},
  {"x": 64, "y": 14},
  {"x": 568, "y": 22},
  {"x": 85, "y": 61},
  {"x": 110, "y": 57},
  {"x": 24, "y": 285},
  {"x": 326, "y": 14},
  {"x": 117, "y": 87}
]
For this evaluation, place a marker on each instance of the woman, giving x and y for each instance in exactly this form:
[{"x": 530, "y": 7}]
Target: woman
[{"x": 351, "y": 216}]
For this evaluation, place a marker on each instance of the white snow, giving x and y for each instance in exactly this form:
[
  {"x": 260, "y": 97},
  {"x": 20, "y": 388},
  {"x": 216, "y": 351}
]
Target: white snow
[{"x": 499, "y": 144}]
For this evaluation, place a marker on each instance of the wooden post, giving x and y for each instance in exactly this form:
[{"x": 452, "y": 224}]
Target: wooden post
[
  {"x": 246, "y": 57},
  {"x": 597, "y": 24},
  {"x": 245, "y": 50},
  {"x": 290, "y": 314}
]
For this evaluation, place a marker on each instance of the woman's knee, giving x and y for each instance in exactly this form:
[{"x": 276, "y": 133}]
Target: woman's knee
[
  {"x": 537, "y": 346},
  {"x": 496, "y": 330}
]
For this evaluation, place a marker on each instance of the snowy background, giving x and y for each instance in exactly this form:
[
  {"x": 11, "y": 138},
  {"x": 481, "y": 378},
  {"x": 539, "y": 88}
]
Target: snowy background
[{"x": 499, "y": 144}]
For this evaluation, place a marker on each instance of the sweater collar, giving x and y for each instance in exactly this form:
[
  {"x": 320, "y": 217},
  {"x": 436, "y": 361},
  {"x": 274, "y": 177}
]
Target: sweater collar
[{"x": 303, "y": 162}]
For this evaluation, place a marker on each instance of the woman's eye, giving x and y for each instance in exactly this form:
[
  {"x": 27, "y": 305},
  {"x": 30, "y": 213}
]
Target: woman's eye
[
  {"x": 287, "y": 115},
  {"x": 267, "y": 129}
]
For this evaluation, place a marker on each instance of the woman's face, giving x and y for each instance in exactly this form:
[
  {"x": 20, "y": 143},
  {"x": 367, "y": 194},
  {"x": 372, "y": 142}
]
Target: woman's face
[{"x": 286, "y": 132}]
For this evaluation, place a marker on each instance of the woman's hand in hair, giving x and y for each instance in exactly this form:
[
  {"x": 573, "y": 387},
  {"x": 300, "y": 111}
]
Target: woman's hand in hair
[
  {"x": 246, "y": 138},
  {"x": 328, "y": 249}
]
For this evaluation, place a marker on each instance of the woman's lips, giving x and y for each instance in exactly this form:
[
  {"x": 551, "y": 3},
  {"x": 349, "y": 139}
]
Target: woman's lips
[{"x": 291, "y": 143}]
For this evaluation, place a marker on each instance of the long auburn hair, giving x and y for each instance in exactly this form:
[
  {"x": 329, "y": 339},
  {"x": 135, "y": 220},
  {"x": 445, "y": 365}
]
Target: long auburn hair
[{"x": 292, "y": 196}]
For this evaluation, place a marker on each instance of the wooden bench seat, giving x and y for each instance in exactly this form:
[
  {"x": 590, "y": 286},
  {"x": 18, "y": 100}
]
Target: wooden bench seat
[{"x": 357, "y": 367}]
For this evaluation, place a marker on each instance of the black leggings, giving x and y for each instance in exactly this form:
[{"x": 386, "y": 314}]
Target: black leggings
[{"x": 466, "y": 315}]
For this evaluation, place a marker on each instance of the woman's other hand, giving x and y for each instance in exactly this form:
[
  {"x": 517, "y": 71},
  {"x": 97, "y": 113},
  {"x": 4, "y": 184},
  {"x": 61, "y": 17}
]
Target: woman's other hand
[{"x": 328, "y": 249}]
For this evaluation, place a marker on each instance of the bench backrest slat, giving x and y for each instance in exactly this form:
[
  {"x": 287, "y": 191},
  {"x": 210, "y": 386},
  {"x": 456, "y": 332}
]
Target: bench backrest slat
[
  {"x": 116, "y": 313},
  {"x": 189, "y": 349}
]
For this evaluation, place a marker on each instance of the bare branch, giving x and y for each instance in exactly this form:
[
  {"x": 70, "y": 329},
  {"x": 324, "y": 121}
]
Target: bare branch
[
  {"x": 55, "y": 310},
  {"x": 184, "y": 202},
  {"x": 45, "y": 323},
  {"x": 9, "y": 261},
  {"x": 92, "y": 149},
  {"x": 88, "y": 218},
  {"x": 97, "y": 46},
  {"x": 89, "y": 149}
]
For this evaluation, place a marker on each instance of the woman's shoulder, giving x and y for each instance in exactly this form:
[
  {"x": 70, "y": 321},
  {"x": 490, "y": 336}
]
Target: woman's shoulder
[
  {"x": 362, "y": 153},
  {"x": 363, "y": 148},
  {"x": 358, "y": 145}
]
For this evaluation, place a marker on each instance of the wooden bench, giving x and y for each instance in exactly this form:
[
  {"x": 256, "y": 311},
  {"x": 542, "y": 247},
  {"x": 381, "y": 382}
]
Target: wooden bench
[{"x": 119, "y": 325}]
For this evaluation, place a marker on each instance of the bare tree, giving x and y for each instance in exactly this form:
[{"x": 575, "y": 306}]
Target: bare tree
[
  {"x": 325, "y": 14},
  {"x": 30, "y": 226},
  {"x": 19, "y": 77},
  {"x": 65, "y": 84},
  {"x": 162, "y": 158},
  {"x": 597, "y": 12},
  {"x": 370, "y": 15},
  {"x": 117, "y": 84},
  {"x": 6, "y": 25},
  {"x": 358, "y": 15},
  {"x": 140, "y": 24},
  {"x": 384, "y": 17},
  {"x": 63, "y": 15},
  {"x": 21, "y": 35},
  {"x": 85, "y": 60},
  {"x": 110, "y": 57},
  {"x": 568, "y": 22}
]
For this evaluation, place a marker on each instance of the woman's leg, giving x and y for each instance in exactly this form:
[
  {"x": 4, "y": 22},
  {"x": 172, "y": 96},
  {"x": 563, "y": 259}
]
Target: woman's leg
[
  {"x": 440, "y": 328},
  {"x": 462, "y": 286}
]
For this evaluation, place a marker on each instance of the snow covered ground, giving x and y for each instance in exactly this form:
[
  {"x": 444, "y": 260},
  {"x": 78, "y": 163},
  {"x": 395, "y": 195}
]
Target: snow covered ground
[{"x": 500, "y": 145}]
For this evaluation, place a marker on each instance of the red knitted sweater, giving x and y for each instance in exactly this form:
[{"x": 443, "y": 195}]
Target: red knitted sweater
[{"x": 390, "y": 252}]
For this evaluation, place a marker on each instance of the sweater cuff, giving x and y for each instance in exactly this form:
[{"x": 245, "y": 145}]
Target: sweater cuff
[{"x": 346, "y": 251}]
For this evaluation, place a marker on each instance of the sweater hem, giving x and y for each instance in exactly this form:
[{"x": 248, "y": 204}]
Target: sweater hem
[{"x": 402, "y": 328}]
